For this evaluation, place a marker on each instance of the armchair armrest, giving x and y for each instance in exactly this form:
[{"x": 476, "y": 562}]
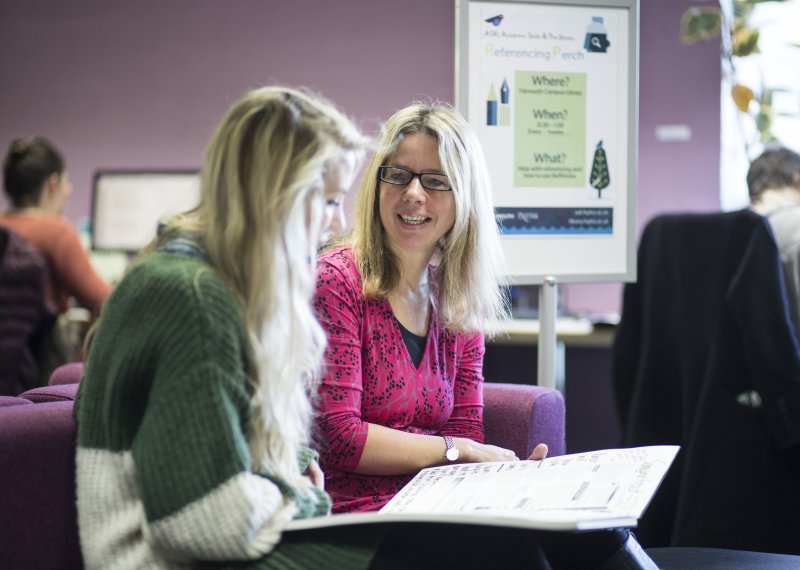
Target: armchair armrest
[
  {"x": 520, "y": 416},
  {"x": 57, "y": 393}
]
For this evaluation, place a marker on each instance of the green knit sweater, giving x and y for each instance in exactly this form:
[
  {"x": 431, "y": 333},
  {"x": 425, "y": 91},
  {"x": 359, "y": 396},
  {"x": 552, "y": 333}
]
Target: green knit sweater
[{"x": 164, "y": 475}]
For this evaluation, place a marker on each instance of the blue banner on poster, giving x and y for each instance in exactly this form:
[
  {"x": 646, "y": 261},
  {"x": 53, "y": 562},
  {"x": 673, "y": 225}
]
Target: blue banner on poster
[{"x": 556, "y": 221}]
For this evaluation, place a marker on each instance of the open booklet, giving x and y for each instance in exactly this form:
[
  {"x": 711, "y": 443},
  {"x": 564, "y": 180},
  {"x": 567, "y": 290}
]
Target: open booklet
[{"x": 583, "y": 491}]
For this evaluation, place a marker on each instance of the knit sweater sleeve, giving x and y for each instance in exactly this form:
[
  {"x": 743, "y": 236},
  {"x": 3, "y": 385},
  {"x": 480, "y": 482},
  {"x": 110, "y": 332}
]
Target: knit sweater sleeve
[
  {"x": 73, "y": 271},
  {"x": 201, "y": 499},
  {"x": 166, "y": 409}
]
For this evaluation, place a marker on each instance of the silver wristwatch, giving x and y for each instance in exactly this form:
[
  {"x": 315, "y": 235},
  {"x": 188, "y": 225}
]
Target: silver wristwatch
[{"x": 451, "y": 453}]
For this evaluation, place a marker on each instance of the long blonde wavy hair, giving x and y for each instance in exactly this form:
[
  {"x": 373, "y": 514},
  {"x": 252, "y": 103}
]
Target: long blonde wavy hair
[
  {"x": 262, "y": 204},
  {"x": 468, "y": 293}
]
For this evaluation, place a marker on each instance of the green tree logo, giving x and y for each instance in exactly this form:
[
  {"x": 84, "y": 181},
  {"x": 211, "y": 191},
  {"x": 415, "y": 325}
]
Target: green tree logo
[{"x": 599, "y": 178}]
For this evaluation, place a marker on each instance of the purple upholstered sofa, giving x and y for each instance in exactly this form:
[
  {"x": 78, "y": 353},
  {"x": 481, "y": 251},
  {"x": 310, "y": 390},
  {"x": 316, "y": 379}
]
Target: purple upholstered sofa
[{"x": 38, "y": 519}]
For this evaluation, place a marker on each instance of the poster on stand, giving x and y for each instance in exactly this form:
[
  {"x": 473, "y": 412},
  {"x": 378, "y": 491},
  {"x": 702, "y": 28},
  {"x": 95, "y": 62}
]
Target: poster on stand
[{"x": 551, "y": 89}]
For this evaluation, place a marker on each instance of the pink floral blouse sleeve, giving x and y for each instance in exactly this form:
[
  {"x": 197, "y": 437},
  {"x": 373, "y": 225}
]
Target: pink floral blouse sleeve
[
  {"x": 339, "y": 423},
  {"x": 467, "y": 417}
]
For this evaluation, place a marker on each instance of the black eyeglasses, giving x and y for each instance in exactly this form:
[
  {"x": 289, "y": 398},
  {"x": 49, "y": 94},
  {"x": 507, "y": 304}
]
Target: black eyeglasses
[{"x": 402, "y": 177}]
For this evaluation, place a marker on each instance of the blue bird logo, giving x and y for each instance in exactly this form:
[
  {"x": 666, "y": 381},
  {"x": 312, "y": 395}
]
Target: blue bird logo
[{"x": 494, "y": 20}]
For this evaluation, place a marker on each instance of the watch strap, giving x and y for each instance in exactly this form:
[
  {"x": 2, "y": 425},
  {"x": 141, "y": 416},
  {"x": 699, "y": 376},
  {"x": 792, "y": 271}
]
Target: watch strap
[{"x": 451, "y": 452}]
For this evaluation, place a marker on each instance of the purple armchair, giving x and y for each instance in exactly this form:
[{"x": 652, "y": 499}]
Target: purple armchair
[{"x": 38, "y": 518}]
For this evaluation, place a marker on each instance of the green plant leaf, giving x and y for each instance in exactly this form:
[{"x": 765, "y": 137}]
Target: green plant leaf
[
  {"x": 765, "y": 115},
  {"x": 742, "y": 96},
  {"x": 741, "y": 12},
  {"x": 700, "y": 24},
  {"x": 764, "y": 125},
  {"x": 745, "y": 42}
]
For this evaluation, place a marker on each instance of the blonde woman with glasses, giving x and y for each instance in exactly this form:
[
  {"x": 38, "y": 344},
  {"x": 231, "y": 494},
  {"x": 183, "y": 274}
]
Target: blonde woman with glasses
[
  {"x": 193, "y": 413},
  {"x": 406, "y": 299}
]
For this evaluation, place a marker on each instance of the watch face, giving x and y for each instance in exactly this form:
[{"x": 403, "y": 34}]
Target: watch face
[{"x": 452, "y": 454}]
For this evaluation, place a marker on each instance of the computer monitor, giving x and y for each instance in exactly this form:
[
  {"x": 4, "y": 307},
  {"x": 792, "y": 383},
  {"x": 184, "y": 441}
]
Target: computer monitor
[{"x": 127, "y": 206}]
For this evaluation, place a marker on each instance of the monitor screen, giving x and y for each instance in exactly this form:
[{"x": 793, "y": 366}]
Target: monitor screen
[{"x": 127, "y": 206}]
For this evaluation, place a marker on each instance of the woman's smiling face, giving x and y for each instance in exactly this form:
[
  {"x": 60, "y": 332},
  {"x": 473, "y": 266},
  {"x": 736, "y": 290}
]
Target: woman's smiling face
[{"x": 414, "y": 218}]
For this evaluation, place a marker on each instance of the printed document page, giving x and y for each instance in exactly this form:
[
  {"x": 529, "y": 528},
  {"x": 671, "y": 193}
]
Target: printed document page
[{"x": 605, "y": 484}]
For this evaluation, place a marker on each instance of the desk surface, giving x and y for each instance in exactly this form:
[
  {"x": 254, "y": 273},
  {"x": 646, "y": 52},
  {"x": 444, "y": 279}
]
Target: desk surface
[{"x": 572, "y": 331}]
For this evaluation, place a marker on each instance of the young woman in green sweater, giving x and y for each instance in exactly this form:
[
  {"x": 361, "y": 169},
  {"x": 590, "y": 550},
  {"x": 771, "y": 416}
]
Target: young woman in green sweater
[{"x": 193, "y": 413}]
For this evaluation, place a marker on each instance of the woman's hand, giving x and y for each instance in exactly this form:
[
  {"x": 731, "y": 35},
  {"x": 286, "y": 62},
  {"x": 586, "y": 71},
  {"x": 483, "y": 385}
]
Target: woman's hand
[
  {"x": 539, "y": 452},
  {"x": 314, "y": 473},
  {"x": 473, "y": 452}
]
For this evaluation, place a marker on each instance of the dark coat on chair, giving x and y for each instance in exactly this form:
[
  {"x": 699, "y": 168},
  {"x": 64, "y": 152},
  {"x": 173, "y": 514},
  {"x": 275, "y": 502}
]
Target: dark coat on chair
[
  {"x": 25, "y": 313},
  {"x": 706, "y": 356}
]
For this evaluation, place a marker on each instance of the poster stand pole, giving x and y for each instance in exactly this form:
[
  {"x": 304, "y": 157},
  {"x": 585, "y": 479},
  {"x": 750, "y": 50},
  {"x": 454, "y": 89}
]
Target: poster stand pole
[{"x": 548, "y": 350}]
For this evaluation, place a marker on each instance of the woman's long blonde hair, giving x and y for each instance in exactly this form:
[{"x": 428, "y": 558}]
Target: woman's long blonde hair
[
  {"x": 262, "y": 203},
  {"x": 468, "y": 292}
]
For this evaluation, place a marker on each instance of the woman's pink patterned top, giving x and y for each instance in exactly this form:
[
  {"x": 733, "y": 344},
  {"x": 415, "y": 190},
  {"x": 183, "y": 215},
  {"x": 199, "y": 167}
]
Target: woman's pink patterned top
[{"x": 369, "y": 378}]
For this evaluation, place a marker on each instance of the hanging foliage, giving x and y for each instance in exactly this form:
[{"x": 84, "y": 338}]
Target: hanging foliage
[
  {"x": 700, "y": 24},
  {"x": 703, "y": 23}
]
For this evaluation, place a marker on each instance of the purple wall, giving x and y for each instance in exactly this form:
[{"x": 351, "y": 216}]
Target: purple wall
[{"x": 142, "y": 84}]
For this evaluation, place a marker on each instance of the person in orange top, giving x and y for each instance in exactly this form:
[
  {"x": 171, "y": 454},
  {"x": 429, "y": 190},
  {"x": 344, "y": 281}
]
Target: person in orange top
[{"x": 37, "y": 184}]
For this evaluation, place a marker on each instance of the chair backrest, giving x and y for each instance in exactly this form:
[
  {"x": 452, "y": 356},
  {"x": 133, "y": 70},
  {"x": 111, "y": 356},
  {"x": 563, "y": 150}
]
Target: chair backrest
[
  {"x": 706, "y": 357},
  {"x": 25, "y": 314},
  {"x": 669, "y": 316},
  {"x": 69, "y": 373},
  {"x": 38, "y": 517}
]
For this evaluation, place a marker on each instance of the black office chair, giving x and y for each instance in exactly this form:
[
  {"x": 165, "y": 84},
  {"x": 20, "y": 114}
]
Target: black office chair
[
  {"x": 706, "y": 357},
  {"x": 25, "y": 314}
]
